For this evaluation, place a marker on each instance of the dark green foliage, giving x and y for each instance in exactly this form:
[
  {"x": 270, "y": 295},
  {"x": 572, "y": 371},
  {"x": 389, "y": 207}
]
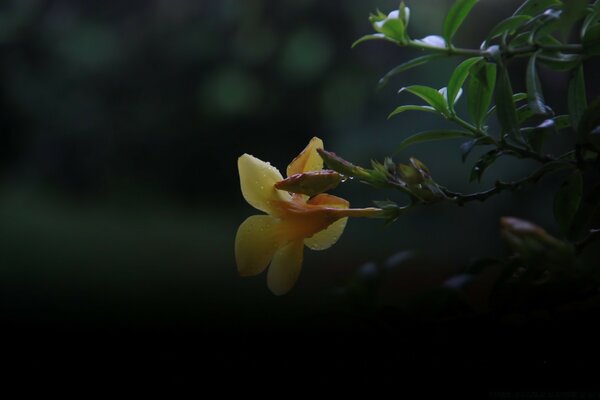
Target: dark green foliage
[
  {"x": 541, "y": 32},
  {"x": 505, "y": 106}
]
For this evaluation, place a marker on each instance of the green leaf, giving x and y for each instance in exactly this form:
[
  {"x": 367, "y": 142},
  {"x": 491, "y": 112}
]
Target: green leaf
[
  {"x": 590, "y": 19},
  {"x": 516, "y": 98},
  {"x": 432, "y": 135},
  {"x": 415, "y": 62},
  {"x": 402, "y": 109},
  {"x": 375, "y": 36},
  {"x": 507, "y": 26},
  {"x": 591, "y": 40},
  {"x": 480, "y": 91},
  {"x": 430, "y": 95},
  {"x": 394, "y": 29},
  {"x": 468, "y": 146},
  {"x": 483, "y": 163},
  {"x": 576, "y": 97},
  {"x": 524, "y": 113},
  {"x": 567, "y": 201},
  {"x": 535, "y": 7},
  {"x": 536, "y": 136},
  {"x": 573, "y": 11},
  {"x": 534, "y": 88},
  {"x": 562, "y": 122},
  {"x": 559, "y": 61},
  {"x": 505, "y": 106},
  {"x": 458, "y": 78},
  {"x": 455, "y": 17}
]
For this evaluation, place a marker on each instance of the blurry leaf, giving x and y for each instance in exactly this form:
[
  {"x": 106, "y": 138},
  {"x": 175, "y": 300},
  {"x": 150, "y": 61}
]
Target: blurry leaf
[
  {"x": 516, "y": 98},
  {"x": 534, "y": 89},
  {"x": 524, "y": 113},
  {"x": 401, "y": 109},
  {"x": 508, "y": 26},
  {"x": 547, "y": 24},
  {"x": 391, "y": 26},
  {"x": 590, "y": 120},
  {"x": 577, "y": 100},
  {"x": 590, "y": 19},
  {"x": 559, "y": 61},
  {"x": 468, "y": 146},
  {"x": 591, "y": 40},
  {"x": 375, "y": 36},
  {"x": 505, "y": 106},
  {"x": 483, "y": 163},
  {"x": 430, "y": 95},
  {"x": 458, "y": 78},
  {"x": 536, "y": 136},
  {"x": 455, "y": 17},
  {"x": 433, "y": 41},
  {"x": 404, "y": 14},
  {"x": 480, "y": 92},
  {"x": 432, "y": 135},
  {"x": 573, "y": 10},
  {"x": 444, "y": 92},
  {"x": 406, "y": 66},
  {"x": 535, "y": 7},
  {"x": 567, "y": 201},
  {"x": 562, "y": 122}
]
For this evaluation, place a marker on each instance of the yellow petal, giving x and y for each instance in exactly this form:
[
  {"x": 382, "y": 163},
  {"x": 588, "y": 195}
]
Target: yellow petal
[
  {"x": 308, "y": 159},
  {"x": 285, "y": 267},
  {"x": 326, "y": 238},
  {"x": 255, "y": 243},
  {"x": 256, "y": 180}
]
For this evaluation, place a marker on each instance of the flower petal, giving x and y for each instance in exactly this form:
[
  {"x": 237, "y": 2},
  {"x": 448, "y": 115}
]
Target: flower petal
[
  {"x": 257, "y": 180},
  {"x": 285, "y": 267},
  {"x": 326, "y": 238},
  {"x": 329, "y": 200},
  {"x": 308, "y": 159},
  {"x": 255, "y": 243}
]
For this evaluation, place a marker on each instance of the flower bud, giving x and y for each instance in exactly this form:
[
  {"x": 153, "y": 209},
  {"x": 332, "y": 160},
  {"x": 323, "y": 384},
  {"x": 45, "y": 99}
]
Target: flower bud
[
  {"x": 310, "y": 183},
  {"x": 533, "y": 243}
]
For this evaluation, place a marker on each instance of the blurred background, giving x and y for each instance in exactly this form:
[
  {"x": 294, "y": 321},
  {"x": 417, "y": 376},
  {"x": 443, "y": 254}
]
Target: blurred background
[{"x": 121, "y": 126}]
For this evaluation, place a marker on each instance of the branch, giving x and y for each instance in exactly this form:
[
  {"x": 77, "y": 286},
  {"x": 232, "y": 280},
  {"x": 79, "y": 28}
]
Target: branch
[{"x": 500, "y": 186}]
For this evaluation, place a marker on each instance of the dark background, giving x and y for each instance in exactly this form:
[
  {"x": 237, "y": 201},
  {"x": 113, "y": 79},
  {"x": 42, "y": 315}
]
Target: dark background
[{"x": 121, "y": 124}]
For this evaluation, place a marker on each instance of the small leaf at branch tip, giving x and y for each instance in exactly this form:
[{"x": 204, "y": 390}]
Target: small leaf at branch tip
[{"x": 375, "y": 36}]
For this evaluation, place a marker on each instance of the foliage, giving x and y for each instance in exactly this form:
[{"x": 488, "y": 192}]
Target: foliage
[{"x": 537, "y": 31}]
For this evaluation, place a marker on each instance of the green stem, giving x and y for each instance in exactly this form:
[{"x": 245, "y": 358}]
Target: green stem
[
  {"x": 509, "y": 52},
  {"x": 452, "y": 51}
]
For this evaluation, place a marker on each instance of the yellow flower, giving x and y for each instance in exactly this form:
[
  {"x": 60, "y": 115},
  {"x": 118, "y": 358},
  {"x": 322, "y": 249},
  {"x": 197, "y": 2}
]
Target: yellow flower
[{"x": 293, "y": 220}]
